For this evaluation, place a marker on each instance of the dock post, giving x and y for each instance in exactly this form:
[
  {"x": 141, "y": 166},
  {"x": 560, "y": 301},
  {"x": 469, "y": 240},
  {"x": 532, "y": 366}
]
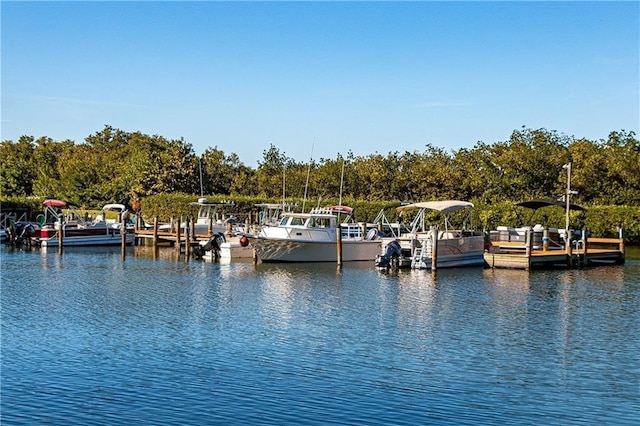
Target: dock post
[
  {"x": 434, "y": 248},
  {"x": 155, "y": 232},
  {"x": 569, "y": 252},
  {"x": 178, "y": 236},
  {"x": 585, "y": 244},
  {"x": 339, "y": 245},
  {"x": 136, "y": 228},
  {"x": 187, "y": 238},
  {"x": 545, "y": 239},
  {"x": 123, "y": 237},
  {"x": 210, "y": 227},
  {"x": 60, "y": 237},
  {"x": 529, "y": 244},
  {"x": 621, "y": 243}
]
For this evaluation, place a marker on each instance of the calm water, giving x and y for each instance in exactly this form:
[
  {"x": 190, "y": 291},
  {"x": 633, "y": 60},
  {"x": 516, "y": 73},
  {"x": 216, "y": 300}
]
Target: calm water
[{"x": 88, "y": 338}]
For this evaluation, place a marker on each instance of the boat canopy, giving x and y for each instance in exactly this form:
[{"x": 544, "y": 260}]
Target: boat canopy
[
  {"x": 273, "y": 206},
  {"x": 341, "y": 209},
  {"x": 537, "y": 204},
  {"x": 120, "y": 207},
  {"x": 55, "y": 203},
  {"x": 444, "y": 207},
  {"x": 204, "y": 202}
]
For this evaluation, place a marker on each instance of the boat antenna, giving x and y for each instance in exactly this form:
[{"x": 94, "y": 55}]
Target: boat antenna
[
  {"x": 304, "y": 200},
  {"x": 284, "y": 171},
  {"x": 568, "y": 194},
  {"x": 200, "y": 165}
]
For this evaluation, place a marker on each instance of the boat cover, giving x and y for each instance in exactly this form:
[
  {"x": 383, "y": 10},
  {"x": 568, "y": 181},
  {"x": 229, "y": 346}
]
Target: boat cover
[
  {"x": 55, "y": 203},
  {"x": 444, "y": 207}
]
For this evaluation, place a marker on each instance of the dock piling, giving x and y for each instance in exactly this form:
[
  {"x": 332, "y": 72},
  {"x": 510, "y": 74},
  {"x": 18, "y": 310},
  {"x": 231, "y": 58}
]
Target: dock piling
[
  {"x": 123, "y": 237},
  {"x": 339, "y": 245},
  {"x": 178, "y": 236},
  {"x": 60, "y": 237},
  {"x": 434, "y": 248},
  {"x": 155, "y": 232}
]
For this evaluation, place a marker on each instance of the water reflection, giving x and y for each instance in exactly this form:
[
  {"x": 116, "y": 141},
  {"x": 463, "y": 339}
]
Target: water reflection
[
  {"x": 154, "y": 338},
  {"x": 416, "y": 296}
]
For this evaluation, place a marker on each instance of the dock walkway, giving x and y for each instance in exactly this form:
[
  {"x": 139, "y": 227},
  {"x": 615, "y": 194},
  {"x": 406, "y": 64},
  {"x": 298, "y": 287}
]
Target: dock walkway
[{"x": 589, "y": 251}]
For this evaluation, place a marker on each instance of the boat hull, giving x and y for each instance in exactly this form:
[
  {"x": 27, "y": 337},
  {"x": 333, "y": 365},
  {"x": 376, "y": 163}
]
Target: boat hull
[
  {"x": 89, "y": 240},
  {"x": 451, "y": 252},
  {"x": 450, "y": 261},
  {"x": 287, "y": 250},
  {"x": 235, "y": 250}
]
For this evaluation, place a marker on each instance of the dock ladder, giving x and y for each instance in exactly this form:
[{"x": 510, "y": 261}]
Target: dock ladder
[{"x": 422, "y": 254}]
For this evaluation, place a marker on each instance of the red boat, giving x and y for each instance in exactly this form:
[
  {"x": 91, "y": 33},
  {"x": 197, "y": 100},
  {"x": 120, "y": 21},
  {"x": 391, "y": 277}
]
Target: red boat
[{"x": 62, "y": 222}]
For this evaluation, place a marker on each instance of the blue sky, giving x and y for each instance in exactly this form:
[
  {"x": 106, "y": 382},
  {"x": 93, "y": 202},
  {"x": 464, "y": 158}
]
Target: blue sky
[{"x": 318, "y": 79}]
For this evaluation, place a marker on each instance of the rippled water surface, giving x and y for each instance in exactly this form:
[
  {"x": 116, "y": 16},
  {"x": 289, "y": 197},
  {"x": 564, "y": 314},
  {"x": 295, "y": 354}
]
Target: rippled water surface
[{"x": 90, "y": 338}]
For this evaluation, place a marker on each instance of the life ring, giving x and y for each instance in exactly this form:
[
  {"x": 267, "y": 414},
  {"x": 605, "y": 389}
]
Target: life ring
[{"x": 244, "y": 241}]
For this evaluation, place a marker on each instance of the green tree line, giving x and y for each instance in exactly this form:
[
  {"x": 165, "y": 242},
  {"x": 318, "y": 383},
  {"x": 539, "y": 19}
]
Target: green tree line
[{"x": 115, "y": 166}]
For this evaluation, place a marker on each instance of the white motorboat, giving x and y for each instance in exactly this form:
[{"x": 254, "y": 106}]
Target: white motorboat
[
  {"x": 209, "y": 219},
  {"x": 312, "y": 237},
  {"x": 235, "y": 245},
  {"x": 236, "y": 248},
  {"x": 451, "y": 247}
]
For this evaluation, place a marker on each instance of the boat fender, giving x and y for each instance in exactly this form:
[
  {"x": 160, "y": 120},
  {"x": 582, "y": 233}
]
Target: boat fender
[
  {"x": 372, "y": 235},
  {"x": 244, "y": 241}
]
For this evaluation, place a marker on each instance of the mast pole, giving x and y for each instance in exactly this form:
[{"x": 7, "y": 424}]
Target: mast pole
[
  {"x": 568, "y": 195},
  {"x": 304, "y": 200}
]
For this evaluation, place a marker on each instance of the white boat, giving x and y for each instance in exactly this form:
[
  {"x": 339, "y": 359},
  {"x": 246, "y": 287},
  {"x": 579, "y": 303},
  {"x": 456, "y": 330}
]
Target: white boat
[
  {"x": 269, "y": 214},
  {"x": 312, "y": 237},
  {"x": 61, "y": 218},
  {"x": 236, "y": 245},
  {"x": 236, "y": 248},
  {"x": 452, "y": 247},
  {"x": 209, "y": 219}
]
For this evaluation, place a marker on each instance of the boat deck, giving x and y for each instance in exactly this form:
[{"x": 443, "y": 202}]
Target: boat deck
[{"x": 520, "y": 255}]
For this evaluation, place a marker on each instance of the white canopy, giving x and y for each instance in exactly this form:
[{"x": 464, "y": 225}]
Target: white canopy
[
  {"x": 120, "y": 207},
  {"x": 444, "y": 207}
]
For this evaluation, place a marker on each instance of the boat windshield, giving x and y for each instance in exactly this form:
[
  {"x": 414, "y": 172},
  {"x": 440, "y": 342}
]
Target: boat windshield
[
  {"x": 319, "y": 222},
  {"x": 297, "y": 221}
]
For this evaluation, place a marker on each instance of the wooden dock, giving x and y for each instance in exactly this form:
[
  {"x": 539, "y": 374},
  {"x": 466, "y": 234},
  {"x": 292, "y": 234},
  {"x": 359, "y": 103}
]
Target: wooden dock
[
  {"x": 183, "y": 238},
  {"x": 589, "y": 251}
]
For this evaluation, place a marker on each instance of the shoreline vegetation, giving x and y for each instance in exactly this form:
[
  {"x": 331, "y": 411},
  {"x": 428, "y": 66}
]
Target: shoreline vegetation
[{"x": 114, "y": 166}]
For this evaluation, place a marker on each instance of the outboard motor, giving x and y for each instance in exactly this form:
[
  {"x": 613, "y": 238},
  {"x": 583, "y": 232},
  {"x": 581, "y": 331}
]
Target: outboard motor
[
  {"x": 391, "y": 256},
  {"x": 212, "y": 245},
  {"x": 20, "y": 234}
]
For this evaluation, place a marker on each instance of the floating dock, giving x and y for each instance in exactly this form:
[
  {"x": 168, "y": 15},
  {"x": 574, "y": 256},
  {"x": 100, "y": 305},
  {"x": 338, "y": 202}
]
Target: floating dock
[{"x": 588, "y": 251}]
